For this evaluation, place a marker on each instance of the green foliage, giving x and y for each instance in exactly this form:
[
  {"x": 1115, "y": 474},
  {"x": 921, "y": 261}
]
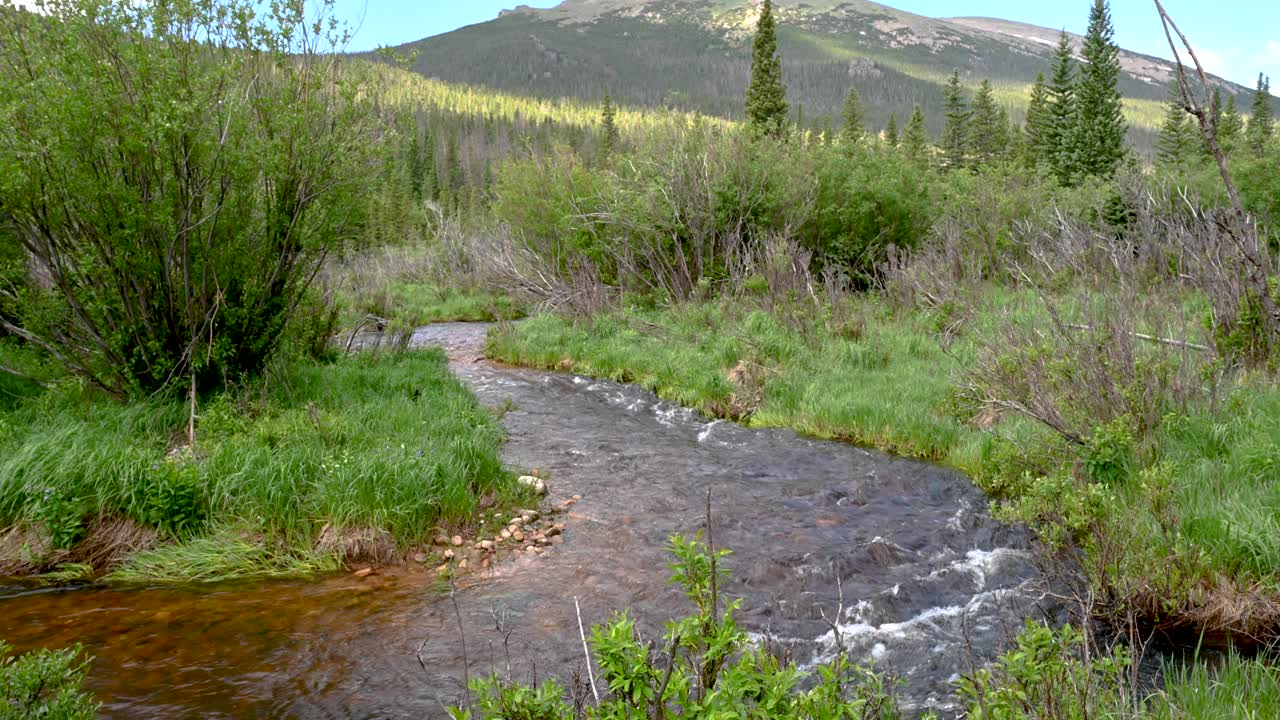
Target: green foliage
[
  {"x": 989, "y": 133},
  {"x": 1261, "y": 118},
  {"x": 174, "y": 502},
  {"x": 179, "y": 237},
  {"x": 867, "y": 204},
  {"x": 766, "y": 106},
  {"x": 609, "y": 130},
  {"x": 915, "y": 143},
  {"x": 59, "y": 515},
  {"x": 1179, "y": 137},
  {"x": 44, "y": 685},
  {"x": 955, "y": 141},
  {"x": 1108, "y": 457},
  {"x": 1059, "y": 131},
  {"x": 1038, "y": 129},
  {"x": 707, "y": 669},
  {"x": 891, "y": 132},
  {"x": 1098, "y": 140},
  {"x": 1046, "y": 675},
  {"x": 852, "y": 130}
]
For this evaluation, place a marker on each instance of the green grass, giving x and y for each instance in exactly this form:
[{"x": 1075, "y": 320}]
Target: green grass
[
  {"x": 870, "y": 379},
  {"x": 412, "y": 304},
  {"x": 1233, "y": 688},
  {"x": 392, "y": 445}
]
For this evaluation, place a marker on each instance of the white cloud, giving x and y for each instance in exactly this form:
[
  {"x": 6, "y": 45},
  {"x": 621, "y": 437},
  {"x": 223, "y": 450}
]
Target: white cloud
[{"x": 1212, "y": 61}]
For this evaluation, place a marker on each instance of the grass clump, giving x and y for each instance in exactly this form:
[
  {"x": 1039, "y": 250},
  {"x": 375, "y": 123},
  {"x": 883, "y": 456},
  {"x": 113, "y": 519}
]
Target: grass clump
[{"x": 382, "y": 447}]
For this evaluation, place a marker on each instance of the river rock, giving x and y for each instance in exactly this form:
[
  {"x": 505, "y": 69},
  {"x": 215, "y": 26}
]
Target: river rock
[
  {"x": 363, "y": 572},
  {"x": 457, "y": 541},
  {"x": 486, "y": 545},
  {"x": 440, "y": 540},
  {"x": 419, "y": 557},
  {"x": 448, "y": 555},
  {"x": 505, "y": 534},
  {"x": 554, "y": 530},
  {"x": 537, "y": 484}
]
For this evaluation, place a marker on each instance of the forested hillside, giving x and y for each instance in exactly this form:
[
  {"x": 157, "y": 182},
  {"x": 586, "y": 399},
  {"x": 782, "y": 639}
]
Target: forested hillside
[{"x": 694, "y": 55}]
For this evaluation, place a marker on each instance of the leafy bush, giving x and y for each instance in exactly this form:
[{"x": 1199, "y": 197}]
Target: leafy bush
[
  {"x": 869, "y": 200},
  {"x": 179, "y": 237},
  {"x": 44, "y": 685},
  {"x": 1048, "y": 675},
  {"x": 60, "y": 516},
  {"x": 174, "y": 502},
  {"x": 709, "y": 668}
]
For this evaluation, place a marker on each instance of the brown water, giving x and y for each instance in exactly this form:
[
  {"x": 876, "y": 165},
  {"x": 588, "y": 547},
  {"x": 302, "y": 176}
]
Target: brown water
[{"x": 930, "y": 583}]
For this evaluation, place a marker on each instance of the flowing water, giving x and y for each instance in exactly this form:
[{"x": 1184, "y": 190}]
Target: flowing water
[{"x": 928, "y": 582}]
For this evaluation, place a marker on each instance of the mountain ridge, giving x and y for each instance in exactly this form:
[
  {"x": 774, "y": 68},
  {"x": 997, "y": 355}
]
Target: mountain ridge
[{"x": 695, "y": 55}]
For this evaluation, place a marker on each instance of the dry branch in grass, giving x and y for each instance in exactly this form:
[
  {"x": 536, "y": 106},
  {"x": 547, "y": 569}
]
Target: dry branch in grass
[{"x": 1244, "y": 231}]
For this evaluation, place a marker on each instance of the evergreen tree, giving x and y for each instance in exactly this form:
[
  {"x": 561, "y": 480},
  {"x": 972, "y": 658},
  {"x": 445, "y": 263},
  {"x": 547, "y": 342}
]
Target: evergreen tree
[
  {"x": 430, "y": 181},
  {"x": 914, "y": 140},
  {"x": 891, "y": 131},
  {"x": 1059, "y": 126},
  {"x": 852, "y": 130},
  {"x": 417, "y": 170},
  {"x": 828, "y": 133},
  {"x": 1261, "y": 120},
  {"x": 1017, "y": 144},
  {"x": 1099, "y": 133},
  {"x": 1176, "y": 141},
  {"x": 609, "y": 138},
  {"x": 766, "y": 97},
  {"x": 1036, "y": 130},
  {"x": 454, "y": 176},
  {"x": 989, "y": 129},
  {"x": 1230, "y": 126},
  {"x": 955, "y": 134}
]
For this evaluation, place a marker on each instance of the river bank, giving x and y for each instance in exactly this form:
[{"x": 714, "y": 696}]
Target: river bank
[{"x": 1166, "y": 543}]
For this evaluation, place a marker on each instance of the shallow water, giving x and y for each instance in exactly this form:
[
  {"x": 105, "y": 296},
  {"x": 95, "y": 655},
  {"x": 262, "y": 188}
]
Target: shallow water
[{"x": 929, "y": 583}]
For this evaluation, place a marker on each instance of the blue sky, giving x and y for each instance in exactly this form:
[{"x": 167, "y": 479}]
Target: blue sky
[{"x": 1236, "y": 38}]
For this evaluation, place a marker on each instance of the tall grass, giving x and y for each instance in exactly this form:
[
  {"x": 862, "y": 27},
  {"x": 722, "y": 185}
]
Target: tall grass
[{"x": 389, "y": 445}]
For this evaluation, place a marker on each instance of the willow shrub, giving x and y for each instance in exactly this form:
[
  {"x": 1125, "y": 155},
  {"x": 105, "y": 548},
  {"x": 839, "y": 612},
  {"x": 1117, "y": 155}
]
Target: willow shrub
[{"x": 173, "y": 174}]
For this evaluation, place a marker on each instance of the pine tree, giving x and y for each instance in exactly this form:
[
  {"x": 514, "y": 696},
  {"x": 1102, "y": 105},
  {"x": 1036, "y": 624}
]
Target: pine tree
[
  {"x": 1230, "y": 127},
  {"x": 1176, "y": 141},
  {"x": 891, "y": 131},
  {"x": 1059, "y": 127},
  {"x": 1261, "y": 121},
  {"x": 828, "y": 133},
  {"x": 766, "y": 97},
  {"x": 1036, "y": 129},
  {"x": 955, "y": 134},
  {"x": 430, "y": 181},
  {"x": 609, "y": 137},
  {"x": 417, "y": 171},
  {"x": 914, "y": 140},
  {"x": 852, "y": 131},
  {"x": 989, "y": 129},
  {"x": 1099, "y": 134},
  {"x": 1017, "y": 144}
]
